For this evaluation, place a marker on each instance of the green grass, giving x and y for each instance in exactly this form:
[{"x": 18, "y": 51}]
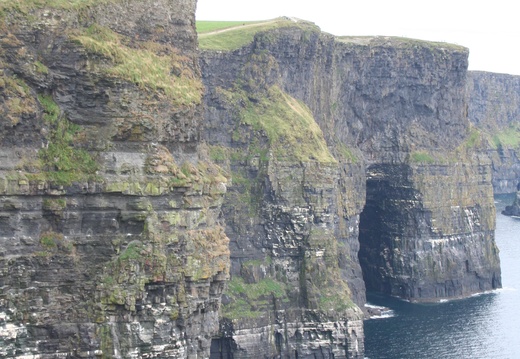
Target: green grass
[
  {"x": 24, "y": 6},
  {"x": 51, "y": 109},
  {"x": 239, "y": 36},
  {"x": 144, "y": 66},
  {"x": 132, "y": 252},
  {"x": 16, "y": 96},
  {"x": 347, "y": 153},
  {"x": 421, "y": 157},
  {"x": 255, "y": 291},
  {"x": 508, "y": 137},
  {"x": 208, "y": 26},
  {"x": 250, "y": 299},
  {"x": 47, "y": 240},
  {"x": 288, "y": 124},
  {"x": 54, "y": 204},
  {"x": 474, "y": 139},
  {"x": 63, "y": 163},
  {"x": 398, "y": 42},
  {"x": 53, "y": 241},
  {"x": 218, "y": 153},
  {"x": 41, "y": 68}
]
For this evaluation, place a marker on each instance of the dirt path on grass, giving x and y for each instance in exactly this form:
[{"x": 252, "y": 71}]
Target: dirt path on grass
[{"x": 238, "y": 27}]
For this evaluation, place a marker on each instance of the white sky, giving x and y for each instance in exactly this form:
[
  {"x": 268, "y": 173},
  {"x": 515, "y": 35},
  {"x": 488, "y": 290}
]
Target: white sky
[{"x": 490, "y": 29}]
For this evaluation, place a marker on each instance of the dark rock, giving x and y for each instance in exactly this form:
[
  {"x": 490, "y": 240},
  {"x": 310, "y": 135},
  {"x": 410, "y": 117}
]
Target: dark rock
[
  {"x": 393, "y": 116},
  {"x": 110, "y": 238},
  {"x": 494, "y": 108},
  {"x": 514, "y": 209}
]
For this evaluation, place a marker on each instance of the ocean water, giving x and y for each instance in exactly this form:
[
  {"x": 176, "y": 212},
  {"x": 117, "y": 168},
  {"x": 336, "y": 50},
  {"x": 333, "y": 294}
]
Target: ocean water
[{"x": 485, "y": 326}]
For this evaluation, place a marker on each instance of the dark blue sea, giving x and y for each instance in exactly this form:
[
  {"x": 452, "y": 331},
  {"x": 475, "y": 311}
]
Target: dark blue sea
[{"x": 486, "y": 326}]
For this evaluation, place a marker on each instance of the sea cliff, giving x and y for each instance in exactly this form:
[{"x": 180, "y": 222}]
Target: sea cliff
[
  {"x": 110, "y": 233},
  {"x": 157, "y": 200},
  {"x": 494, "y": 108},
  {"x": 409, "y": 191}
]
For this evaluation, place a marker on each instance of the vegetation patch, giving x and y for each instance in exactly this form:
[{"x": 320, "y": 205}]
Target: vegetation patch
[
  {"x": 249, "y": 300},
  {"x": 233, "y": 38},
  {"x": 508, "y": 137},
  {"x": 347, "y": 153},
  {"x": 210, "y": 26},
  {"x": 52, "y": 241},
  {"x": 151, "y": 66},
  {"x": 62, "y": 162},
  {"x": 54, "y": 204},
  {"x": 24, "y": 6},
  {"x": 207, "y": 253},
  {"x": 134, "y": 251},
  {"x": 288, "y": 123},
  {"x": 474, "y": 139},
  {"x": 421, "y": 157},
  {"x": 218, "y": 154},
  {"x": 15, "y": 100}
]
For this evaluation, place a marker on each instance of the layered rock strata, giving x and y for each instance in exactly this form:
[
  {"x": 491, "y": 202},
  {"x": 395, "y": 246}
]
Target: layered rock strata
[
  {"x": 340, "y": 151},
  {"x": 392, "y": 113},
  {"x": 110, "y": 235},
  {"x": 494, "y": 108},
  {"x": 292, "y": 213}
]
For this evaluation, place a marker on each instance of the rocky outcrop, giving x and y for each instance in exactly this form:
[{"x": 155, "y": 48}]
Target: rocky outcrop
[
  {"x": 331, "y": 160},
  {"x": 292, "y": 210},
  {"x": 514, "y": 209},
  {"x": 391, "y": 117},
  {"x": 110, "y": 233},
  {"x": 494, "y": 108}
]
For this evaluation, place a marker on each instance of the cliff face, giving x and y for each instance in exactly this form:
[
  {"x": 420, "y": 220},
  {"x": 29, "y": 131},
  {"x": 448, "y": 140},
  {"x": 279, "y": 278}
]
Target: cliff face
[
  {"x": 494, "y": 108},
  {"x": 331, "y": 159},
  {"x": 292, "y": 211},
  {"x": 399, "y": 168},
  {"x": 111, "y": 244}
]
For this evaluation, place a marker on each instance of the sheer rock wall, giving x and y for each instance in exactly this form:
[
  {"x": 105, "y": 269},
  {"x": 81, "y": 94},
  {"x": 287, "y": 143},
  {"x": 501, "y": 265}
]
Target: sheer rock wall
[
  {"x": 408, "y": 189},
  {"x": 110, "y": 235},
  {"x": 494, "y": 108}
]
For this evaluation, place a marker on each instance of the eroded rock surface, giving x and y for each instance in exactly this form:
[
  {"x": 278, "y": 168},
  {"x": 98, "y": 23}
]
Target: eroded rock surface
[
  {"x": 332, "y": 160},
  {"x": 392, "y": 113},
  {"x": 494, "y": 108},
  {"x": 111, "y": 241}
]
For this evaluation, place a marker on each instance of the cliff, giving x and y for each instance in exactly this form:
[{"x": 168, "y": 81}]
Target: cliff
[
  {"x": 494, "y": 108},
  {"x": 143, "y": 185},
  {"x": 111, "y": 242},
  {"x": 343, "y": 152},
  {"x": 292, "y": 212}
]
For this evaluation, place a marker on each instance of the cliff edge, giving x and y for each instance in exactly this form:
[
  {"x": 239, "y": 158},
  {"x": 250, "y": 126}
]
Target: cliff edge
[
  {"x": 401, "y": 185},
  {"x": 494, "y": 108},
  {"x": 110, "y": 235}
]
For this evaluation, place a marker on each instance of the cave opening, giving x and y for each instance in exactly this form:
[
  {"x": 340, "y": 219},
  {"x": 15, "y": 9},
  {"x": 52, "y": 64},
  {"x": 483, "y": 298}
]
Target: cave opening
[
  {"x": 222, "y": 348},
  {"x": 388, "y": 214},
  {"x": 370, "y": 234}
]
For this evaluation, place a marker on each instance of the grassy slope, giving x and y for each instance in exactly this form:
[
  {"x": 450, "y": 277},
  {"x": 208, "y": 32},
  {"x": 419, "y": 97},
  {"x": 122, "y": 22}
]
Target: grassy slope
[
  {"x": 27, "y": 5},
  {"x": 210, "y": 26},
  {"x": 398, "y": 42},
  {"x": 145, "y": 66},
  {"x": 288, "y": 124},
  {"x": 226, "y": 38}
]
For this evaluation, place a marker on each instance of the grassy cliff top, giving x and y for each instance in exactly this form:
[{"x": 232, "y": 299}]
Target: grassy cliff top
[
  {"x": 398, "y": 42},
  {"x": 232, "y": 35},
  {"x": 27, "y": 5}
]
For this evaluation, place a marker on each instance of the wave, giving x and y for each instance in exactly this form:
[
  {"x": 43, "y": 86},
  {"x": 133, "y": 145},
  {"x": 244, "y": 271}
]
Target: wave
[{"x": 379, "y": 312}]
